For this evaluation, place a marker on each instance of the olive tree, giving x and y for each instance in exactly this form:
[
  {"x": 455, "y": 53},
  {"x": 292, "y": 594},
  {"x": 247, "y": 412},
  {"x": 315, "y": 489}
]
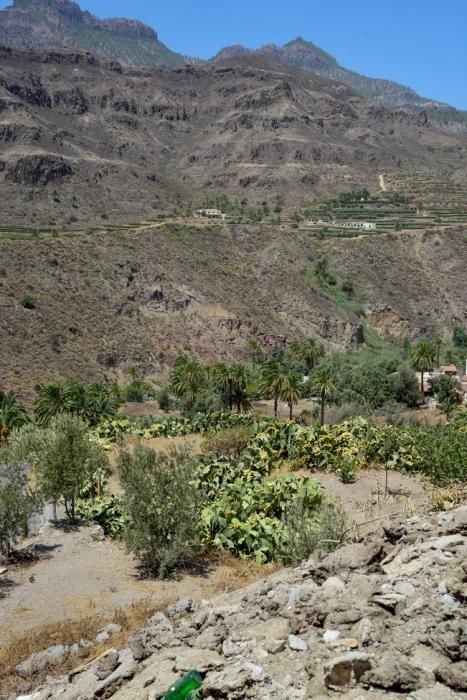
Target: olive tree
[
  {"x": 17, "y": 503},
  {"x": 63, "y": 457},
  {"x": 163, "y": 507}
]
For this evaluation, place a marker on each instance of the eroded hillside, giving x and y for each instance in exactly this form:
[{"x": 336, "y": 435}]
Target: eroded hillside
[
  {"x": 83, "y": 138},
  {"x": 106, "y": 301}
]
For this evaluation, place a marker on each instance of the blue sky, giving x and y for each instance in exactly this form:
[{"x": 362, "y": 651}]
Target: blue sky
[{"x": 420, "y": 43}]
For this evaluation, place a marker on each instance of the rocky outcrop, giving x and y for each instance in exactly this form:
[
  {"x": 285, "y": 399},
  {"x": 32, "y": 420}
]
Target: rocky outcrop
[
  {"x": 383, "y": 618},
  {"x": 39, "y": 170}
]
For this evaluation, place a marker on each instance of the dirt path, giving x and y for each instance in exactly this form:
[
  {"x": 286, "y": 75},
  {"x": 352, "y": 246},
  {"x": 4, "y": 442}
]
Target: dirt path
[
  {"x": 382, "y": 184},
  {"x": 78, "y": 576}
]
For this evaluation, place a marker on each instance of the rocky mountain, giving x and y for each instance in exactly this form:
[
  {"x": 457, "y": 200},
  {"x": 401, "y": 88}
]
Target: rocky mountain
[
  {"x": 83, "y": 137},
  {"x": 99, "y": 303},
  {"x": 307, "y": 56},
  {"x": 61, "y": 23},
  {"x": 56, "y": 23},
  {"x": 381, "y": 618}
]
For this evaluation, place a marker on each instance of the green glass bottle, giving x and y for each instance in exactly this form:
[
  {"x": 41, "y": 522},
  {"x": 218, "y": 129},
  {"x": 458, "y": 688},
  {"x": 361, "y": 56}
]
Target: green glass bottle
[{"x": 185, "y": 688}]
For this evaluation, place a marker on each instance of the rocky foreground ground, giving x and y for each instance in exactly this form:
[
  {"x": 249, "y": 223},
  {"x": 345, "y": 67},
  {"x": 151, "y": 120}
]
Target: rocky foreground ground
[{"x": 380, "y": 618}]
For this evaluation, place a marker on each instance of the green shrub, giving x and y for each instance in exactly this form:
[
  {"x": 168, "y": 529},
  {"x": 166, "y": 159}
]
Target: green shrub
[
  {"x": 17, "y": 503},
  {"x": 163, "y": 507},
  {"x": 107, "y": 512},
  {"x": 325, "y": 530},
  {"x": 28, "y": 302}
]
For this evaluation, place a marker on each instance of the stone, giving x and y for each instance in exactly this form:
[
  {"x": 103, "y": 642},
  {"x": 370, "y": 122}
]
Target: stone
[
  {"x": 138, "y": 648},
  {"x": 351, "y": 557},
  {"x": 158, "y": 618},
  {"x": 435, "y": 692},
  {"x": 389, "y": 601},
  {"x": 107, "y": 664},
  {"x": 333, "y": 586},
  {"x": 123, "y": 672},
  {"x": 257, "y": 673},
  {"x": 107, "y": 632},
  {"x": 182, "y": 606},
  {"x": 297, "y": 643},
  {"x": 453, "y": 675},
  {"x": 3, "y": 570},
  {"x": 96, "y": 532},
  {"x": 362, "y": 631},
  {"x": 346, "y": 669},
  {"x": 331, "y": 635},
  {"x": 53, "y": 656},
  {"x": 230, "y": 648},
  {"x": 393, "y": 673},
  {"x": 275, "y": 646}
]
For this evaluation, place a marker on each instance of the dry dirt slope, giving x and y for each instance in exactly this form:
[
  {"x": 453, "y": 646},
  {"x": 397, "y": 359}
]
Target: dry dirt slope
[{"x": 106, "y": 301}]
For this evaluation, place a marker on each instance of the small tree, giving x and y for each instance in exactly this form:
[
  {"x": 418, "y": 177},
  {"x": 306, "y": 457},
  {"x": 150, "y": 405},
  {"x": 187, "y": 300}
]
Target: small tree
[
  {"x": 163, "y": 506},
  {"x": 17, "y": 503},
  {"x": 63, "y": 457},
  {"x": 423, "y": 358},
  {"x": 323, "y": 382}
]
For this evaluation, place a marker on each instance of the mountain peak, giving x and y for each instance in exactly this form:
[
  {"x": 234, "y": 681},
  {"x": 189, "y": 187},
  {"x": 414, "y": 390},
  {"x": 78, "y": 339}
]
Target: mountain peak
[{"x": 52, "y": 23}]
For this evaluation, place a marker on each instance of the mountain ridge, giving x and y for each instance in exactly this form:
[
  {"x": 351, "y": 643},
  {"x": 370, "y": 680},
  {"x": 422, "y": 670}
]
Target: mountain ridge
[{"x": 45, "y": 24}]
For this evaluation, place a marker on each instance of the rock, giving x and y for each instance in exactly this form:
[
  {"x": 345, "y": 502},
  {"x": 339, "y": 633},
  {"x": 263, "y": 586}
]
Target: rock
[
  {"x": 183, "y": 605},
  {"x": 230, "y": 648},
  {"x": 138, "y": 648},
  {"x": 107, "y": 664},
  {"x": 331, "y": 635},
  {"x": 344, "y": 670},
  {"x": 258, "y": 674},
  {"x": 53, "y": 656},
  {"x": 394, "y": 673},
  {"x": 453, "y": 675},
  {"x": 435, "y": 692},
  {"x": 158, "y": 618},
  {"x": 296, "y": 643},
  {"x": 107, "y": 632},
  {"x": 3, "y": 570},
  {"x": 276, "y": 646},
  {"x": 96, "y": 532},
  {"x": 389, "y": 601},
  {"x": 124, "y": 671},
  {"x": 333, "y": 586},
  {"x": 362, "y": 631},
  {"x": 351, "y": 557},
  {"x": 203, "y": 660}
]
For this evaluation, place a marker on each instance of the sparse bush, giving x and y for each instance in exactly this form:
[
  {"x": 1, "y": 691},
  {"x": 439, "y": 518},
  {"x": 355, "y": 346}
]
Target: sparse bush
[
  {"x": 165, "y": 400},
  {"x": 229, "y": 442},
  {"x": 28, "y": 302},
  {"x": 163, "y": 507},
  {"x": 304, "y": 535}
]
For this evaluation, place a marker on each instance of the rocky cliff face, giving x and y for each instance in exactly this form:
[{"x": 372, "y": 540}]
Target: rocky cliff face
[
  {"x": 381, "y": 618},
  {"x": 56, "y": 23}
]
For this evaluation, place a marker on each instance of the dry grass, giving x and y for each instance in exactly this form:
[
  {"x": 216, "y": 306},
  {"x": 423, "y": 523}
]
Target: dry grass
[
  {"x": 448, "y": 497},
  {"x": 20, "y": 647}
]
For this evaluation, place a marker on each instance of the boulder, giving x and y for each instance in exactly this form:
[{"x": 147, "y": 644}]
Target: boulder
[
  {"x": 107, "y": 632},
  {"x": 53, "y": 656},
  {"x": 107, "y": 665}
]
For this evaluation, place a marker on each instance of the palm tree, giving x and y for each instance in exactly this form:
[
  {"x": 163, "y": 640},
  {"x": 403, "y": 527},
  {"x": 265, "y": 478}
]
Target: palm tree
[
  {"x": 221, "y": 375},
  {"x": 240, "y": 378},
  {"x": 437, "y": 344},
  {"x": 307, "y": 352},
  {"x": 271, "y": 379},
  {"x": 291, "y": 390},
  {"x": 12, "y": 414},
  {"x": 255, "y": 351},
  {"x": 51, "y": 400},
  {"x": 188, "y": 377},
  {"x": 322, "y": 381},
  {"x": 423, "y": 358}
]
